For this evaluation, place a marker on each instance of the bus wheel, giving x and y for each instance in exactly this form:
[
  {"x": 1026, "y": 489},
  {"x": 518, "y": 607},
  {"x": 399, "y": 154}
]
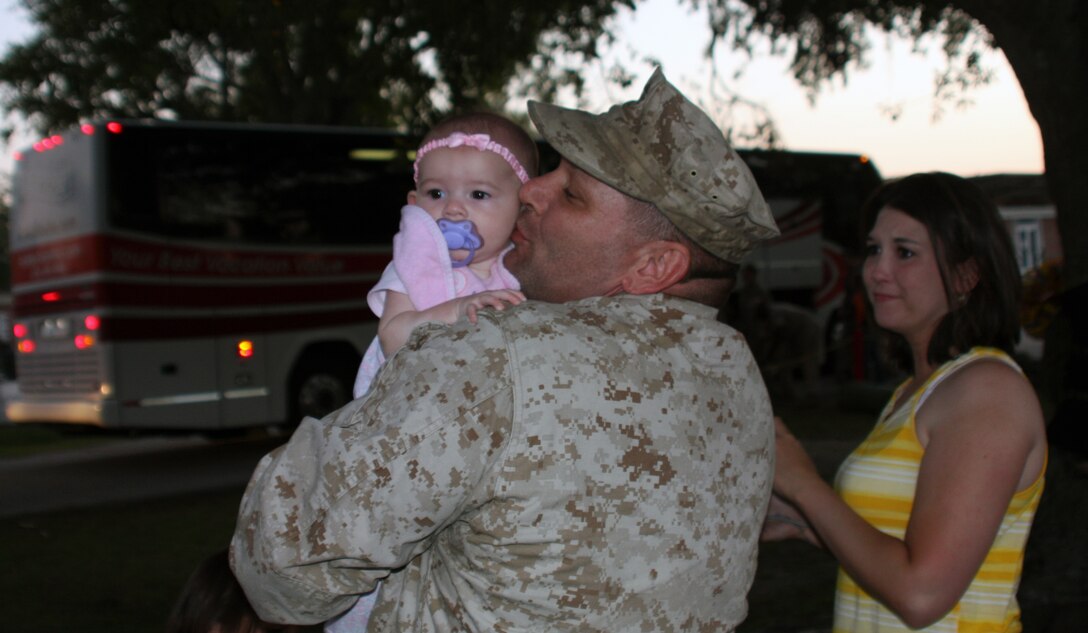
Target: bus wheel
[{"x": 317, "y": 390}]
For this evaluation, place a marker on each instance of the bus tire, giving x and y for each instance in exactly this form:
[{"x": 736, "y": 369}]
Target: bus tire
[{"x": 320, "y": 384}]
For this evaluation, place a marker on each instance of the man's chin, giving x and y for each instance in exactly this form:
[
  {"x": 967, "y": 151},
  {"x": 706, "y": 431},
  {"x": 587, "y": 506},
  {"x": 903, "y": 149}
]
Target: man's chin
[{"x": 515, "y": 258}]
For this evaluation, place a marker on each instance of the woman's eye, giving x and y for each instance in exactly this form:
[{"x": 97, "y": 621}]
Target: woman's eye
[
  {"x": 871, "y": 250},
  {"x": 905, "y": 253}
]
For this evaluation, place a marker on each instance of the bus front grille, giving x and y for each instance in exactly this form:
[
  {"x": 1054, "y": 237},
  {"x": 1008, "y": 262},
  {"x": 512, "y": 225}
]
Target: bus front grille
[{"x": 69, "y": 372}]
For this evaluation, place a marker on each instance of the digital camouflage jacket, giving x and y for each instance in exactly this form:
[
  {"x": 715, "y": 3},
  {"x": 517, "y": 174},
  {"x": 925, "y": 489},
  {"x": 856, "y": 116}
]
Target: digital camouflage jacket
[{"x": 600, "y": 465}]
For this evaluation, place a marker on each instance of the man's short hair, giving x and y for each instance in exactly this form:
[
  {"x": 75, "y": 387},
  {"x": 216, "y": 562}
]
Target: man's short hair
[{"x": 649, "y": 223}]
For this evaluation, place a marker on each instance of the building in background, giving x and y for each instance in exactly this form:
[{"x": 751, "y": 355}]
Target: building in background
[{"x": 1024, "y": 203}]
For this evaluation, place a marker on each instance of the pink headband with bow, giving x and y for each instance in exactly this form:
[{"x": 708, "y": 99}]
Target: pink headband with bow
[{"x": 481, "y": 142}]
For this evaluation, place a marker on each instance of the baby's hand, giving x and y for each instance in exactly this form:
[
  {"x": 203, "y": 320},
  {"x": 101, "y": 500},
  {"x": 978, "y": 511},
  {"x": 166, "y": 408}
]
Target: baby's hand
[{"x": 497, "y": 299}]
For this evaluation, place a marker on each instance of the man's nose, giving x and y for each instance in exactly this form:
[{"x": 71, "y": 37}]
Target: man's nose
[{"x": 531, "y": 195}]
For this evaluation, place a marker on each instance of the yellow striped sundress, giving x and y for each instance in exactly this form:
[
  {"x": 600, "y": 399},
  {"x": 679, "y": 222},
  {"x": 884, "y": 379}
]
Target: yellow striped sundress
[{"x": 878, "y": 480}]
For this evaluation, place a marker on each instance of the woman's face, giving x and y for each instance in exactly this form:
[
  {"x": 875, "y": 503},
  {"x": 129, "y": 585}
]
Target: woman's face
[{"x": 902, "y": 277}]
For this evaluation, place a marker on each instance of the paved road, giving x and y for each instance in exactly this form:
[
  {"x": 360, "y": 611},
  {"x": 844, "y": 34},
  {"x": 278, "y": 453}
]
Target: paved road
[{"x": 133, "y": 469}]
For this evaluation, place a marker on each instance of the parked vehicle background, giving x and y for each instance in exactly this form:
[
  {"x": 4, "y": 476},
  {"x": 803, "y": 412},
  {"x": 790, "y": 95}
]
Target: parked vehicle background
[
  {"x": 213, "y": 276},
  {"x": 179, "y": 275}
]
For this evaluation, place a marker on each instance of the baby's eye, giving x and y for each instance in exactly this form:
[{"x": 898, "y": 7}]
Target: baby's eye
[
  {"x": 480, "y": 195},
  {"x": 435, "y": 194}
]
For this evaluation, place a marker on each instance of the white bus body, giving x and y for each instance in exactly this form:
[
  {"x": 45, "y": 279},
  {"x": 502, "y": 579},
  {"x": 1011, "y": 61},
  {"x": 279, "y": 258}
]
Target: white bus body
[
  {"x": 213, "y": 276},
  {"x": 144, "y": 257},
  {"x": 816, "y": 200}
]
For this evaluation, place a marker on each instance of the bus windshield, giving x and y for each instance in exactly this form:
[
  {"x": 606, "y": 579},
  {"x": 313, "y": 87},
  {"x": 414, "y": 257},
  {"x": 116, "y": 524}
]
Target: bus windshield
[{"x": 276, "y": 187}]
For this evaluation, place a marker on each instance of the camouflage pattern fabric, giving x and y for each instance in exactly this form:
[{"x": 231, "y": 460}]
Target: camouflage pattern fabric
[
  {"x": 663, "y": 149},
  {"x": 601, "y": 465}
]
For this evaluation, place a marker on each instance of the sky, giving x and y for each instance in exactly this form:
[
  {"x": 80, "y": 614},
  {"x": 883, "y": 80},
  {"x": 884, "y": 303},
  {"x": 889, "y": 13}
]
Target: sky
[{"x": 994, "y": 135}]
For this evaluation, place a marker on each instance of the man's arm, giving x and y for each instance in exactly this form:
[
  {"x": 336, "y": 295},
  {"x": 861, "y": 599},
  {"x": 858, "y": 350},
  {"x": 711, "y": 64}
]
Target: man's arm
[{"x": 366, "y": 489}]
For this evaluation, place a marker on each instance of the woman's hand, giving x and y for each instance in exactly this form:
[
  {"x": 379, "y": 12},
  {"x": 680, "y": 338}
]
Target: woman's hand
[
  {"x": 793, "y": 467},
  {"x": 784, "y": 521}
]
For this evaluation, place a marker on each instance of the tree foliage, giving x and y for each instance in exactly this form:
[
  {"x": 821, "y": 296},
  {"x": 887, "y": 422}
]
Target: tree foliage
[
  {"x": 1046, "y": 44},
  {"x": 405, "y": 62},
  {"x": 336, "y": 62},
  {"x": 828, "y": 38}
]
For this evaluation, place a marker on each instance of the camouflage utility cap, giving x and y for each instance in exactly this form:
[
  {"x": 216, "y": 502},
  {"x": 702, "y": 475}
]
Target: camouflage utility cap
[{"x": 664, "y": 150}]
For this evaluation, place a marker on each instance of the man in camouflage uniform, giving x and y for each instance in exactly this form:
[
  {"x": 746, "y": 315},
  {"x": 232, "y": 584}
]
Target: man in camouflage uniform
[{"x": 598, "y": 458}]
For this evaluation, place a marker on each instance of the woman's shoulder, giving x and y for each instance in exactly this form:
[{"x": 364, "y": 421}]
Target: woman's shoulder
[
  {"x": 987, "y": 388},
  {"x": 988, "y": 403},
  {"x": 984, "y": 368},
  {"x": 981, "y": 374}
]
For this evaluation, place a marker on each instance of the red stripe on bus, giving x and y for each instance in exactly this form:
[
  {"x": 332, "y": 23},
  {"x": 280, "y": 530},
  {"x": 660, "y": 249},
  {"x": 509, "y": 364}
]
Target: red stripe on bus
[
  {"x": 796, "y": 234},
  {"x": 143, "y": 328},
  {"x": 835, "y": 271},
  {"x": 799, "y": 222},
  {"x": 110, "y": 253},
  {"x": 166, "y": 295}
]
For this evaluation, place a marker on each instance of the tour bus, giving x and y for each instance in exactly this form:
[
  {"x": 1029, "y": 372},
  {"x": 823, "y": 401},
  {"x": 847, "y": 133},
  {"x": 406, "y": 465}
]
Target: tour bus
[
  {"x": 198, "y": 276},
  {"x": 171, "y": 275},
  {"x": 816, "y": 200},
  {"x": 811, "y": 267}
]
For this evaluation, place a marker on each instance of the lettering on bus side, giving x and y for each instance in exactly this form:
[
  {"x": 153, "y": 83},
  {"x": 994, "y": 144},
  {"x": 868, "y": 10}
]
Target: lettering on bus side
[
  {"x": 322, "y": 266},
  {"x": 175, "y": 262},
  {"x": 130, "y": 259}
]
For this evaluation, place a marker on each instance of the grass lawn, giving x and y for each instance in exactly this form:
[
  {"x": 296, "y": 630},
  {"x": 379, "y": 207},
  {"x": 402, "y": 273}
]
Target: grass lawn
[
  {"x": 119, "y": 568},
  {"x": 21, "y": 440},
  {"x": 107, "y": 569}
]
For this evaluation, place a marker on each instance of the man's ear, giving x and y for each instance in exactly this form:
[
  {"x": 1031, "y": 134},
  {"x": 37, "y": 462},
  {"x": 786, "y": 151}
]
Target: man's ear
[
  {"x": 412, "y": 197},
  {"x": 657, "y": 266}
]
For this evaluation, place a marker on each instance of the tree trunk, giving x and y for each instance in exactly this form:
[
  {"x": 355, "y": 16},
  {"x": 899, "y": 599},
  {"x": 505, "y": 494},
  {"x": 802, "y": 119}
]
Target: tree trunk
[{"x": 1045, "y": 43}]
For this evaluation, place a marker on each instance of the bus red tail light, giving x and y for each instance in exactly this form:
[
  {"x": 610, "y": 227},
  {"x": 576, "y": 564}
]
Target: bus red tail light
[
  {"x": 19, "y": 330},
  {"x": 27, "y": 346},
  {"x": 84, "y": 341},
  {"x": 91, "y": 322},
  {"x": 245, "y": 349}
]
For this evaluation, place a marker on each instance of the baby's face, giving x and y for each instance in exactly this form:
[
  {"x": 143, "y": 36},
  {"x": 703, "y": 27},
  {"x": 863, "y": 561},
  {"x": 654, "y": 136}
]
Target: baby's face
[{"x": 464, "y": 183}]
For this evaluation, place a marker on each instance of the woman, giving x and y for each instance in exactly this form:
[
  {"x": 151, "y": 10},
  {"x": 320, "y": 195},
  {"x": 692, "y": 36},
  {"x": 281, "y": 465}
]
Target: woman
[{"x": 932, "y": 511}]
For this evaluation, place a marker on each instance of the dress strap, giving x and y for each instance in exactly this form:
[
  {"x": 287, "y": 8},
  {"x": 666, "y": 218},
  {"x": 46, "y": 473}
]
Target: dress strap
[{"x": 950, "y": 367}]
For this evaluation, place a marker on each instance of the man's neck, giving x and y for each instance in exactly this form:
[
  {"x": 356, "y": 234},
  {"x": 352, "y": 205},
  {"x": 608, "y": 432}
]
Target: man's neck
[{"x": 711, "y": 292}]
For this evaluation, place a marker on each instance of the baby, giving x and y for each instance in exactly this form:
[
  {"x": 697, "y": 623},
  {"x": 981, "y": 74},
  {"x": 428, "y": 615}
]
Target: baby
[
  {"x": 447, "y": 257},
  {"x": 454, "y": 232}
]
